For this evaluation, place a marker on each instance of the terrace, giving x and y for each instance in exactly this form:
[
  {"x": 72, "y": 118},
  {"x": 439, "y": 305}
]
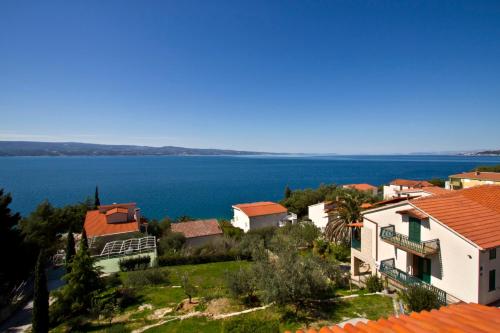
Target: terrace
[{"x": 403, "y": 242}]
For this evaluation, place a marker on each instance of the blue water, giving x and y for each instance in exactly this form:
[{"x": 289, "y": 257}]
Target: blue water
[{"x": 204, "y": 186}]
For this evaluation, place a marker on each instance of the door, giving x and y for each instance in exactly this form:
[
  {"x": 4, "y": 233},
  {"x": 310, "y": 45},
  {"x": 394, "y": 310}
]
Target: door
[
  {"x": 424, "y": 269},
  {"x": 414, "y": 230}
]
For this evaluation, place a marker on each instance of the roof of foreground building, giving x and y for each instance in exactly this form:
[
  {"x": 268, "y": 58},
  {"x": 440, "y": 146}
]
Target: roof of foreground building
[{"x": 458, "y": 318}]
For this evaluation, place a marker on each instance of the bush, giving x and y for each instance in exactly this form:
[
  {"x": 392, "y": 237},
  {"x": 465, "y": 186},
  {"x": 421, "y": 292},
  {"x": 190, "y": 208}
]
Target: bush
[
  {"x": 418, "y": 298},
  {"x": 374, "y": 284},
  {"x": 173, "y": 260},
  {"x": 241, "y": 283},
  {"x": 171, "y": 242},
  {"x": 341, "y": 252},
  {"x": 251, "y": 325},
  {"x": 135, "y": 263},
  {"x": 153, "y": 276}
]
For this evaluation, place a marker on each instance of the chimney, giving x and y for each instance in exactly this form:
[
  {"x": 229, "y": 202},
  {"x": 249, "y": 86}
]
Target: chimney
[
  {"x": 477, "y": 172},
  {"x": 137, "y": 216}
]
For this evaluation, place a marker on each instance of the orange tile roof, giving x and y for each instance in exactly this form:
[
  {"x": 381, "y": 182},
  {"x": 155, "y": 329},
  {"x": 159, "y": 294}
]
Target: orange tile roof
[
  {"x": 473, "y": 213},
  {"x": 361, "y": 187},
  {"x": 413, "y": 213},
  {"x": 482, "y": 175},
  {"x": 96, "y": 225},
  {"x": 411, "y": 183},
  {"x": 428, "y": 189},
  {"x": 197, "y": 228},
  {"x": 458, "y": 318},
  {"x": 261, "y": 208},
  {"x": 366, "y": 205}
]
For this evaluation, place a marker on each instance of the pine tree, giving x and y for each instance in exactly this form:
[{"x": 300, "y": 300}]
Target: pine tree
[
  {"x": 97, "y": 202},
  {"x": 288, "y": 192},
  {"x": 81, "y": 282},
  {"x": 70, "y": 249},
  {"x": 41, "y": 298}
]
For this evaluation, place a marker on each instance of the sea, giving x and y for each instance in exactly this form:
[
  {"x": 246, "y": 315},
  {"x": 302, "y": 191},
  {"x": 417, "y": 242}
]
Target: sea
[{"x": 205, "y": 186}]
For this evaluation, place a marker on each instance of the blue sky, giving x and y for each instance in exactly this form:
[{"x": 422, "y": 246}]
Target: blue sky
[{"x": 284, "y": 76}]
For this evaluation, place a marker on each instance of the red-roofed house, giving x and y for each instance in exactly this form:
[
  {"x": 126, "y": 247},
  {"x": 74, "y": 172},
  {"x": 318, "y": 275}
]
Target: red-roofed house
[
  {"x": 251, "y": 216},
  {"x": 447, "y": 242},
  {"x": 113, "y": 219},
  {"x": 391, "y": 190},
  {"x": 199, "y": 232},
  {"x": 363, "y": 188},
  {"x": 474, "y": 178}
]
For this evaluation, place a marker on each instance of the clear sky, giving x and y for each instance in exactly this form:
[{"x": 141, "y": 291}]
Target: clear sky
[{"x": 282, "y": 76}]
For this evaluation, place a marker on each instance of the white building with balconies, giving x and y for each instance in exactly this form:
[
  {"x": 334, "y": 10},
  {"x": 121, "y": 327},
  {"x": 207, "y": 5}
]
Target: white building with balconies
[{"x": 447, "y": 243}]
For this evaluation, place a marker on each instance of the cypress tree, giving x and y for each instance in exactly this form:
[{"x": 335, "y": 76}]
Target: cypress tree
[
  {"x": 41, "y": 298},
  {"x": 97, "y": 201},
  {"x": 288, "y": 192},
  {"x": 84, "y": 242},
  {"x": 70, "y": 249}
]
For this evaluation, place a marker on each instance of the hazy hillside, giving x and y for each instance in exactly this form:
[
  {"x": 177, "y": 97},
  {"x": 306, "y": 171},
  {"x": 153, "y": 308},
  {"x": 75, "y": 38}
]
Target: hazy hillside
[{"x": 31, "y": 148}]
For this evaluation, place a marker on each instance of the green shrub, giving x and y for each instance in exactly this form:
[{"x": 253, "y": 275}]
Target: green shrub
[
  {"x": 135, "y": 263},
  {"x": 171, "y": 242},
  {"x": 374, "y": 284},
  {"x": 153, "y": 276},
  {"x": 173, "y": 260},
  {"x": 117, "y": 328},
  {"x": 341, "y": 252},
  {"x": 250, "y": 325},
  {"x": 418, "y": 298},
  {"x": 321, "y": 247}
]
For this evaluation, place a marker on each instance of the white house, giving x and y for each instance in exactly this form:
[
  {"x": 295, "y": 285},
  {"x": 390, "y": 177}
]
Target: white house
[
  {"x": 391, "y": 190},
  {"x": 446, "y": 242},
  {"x": 420, "y": 192},
  {"x": 318, "y": 214},
  {"x": 251, "y": 216}
]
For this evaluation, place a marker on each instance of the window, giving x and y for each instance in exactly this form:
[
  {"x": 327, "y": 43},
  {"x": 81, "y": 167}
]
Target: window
[
  {"x": 493, "y": 254},
  {"x": 492, "y": 280}
]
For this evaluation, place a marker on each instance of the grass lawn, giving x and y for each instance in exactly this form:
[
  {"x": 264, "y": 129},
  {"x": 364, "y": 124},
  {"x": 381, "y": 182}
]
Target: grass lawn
[{"x": 209, "y": 278}]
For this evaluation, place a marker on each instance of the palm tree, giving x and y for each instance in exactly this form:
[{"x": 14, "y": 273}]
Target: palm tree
[{"x": 348, "y": 210}]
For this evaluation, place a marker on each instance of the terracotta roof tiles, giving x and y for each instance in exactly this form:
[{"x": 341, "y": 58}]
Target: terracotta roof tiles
[
  {"x": 458, "y": 318},
  {"x": 473, "y": 213},
  {"x": 96, "y": 225},
  {"x": 361, "y": 187},
  {"x": 492, "y": 176},
  {"x": 197, "y": 228},
  {"x": 261, "y": 208},
  {"x": 410, "y": 183}
]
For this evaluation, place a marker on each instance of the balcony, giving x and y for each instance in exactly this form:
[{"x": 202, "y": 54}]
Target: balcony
[
  {"x": 422, "y": 249},
  {"x": 406, "y": 280}
]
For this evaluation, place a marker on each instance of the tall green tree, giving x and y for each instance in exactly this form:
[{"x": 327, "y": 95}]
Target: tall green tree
[
  {"x": 15, "y": 267},
  {"x": 84, "y": 242},
  {"x": 70, "y": 250},
  {"x": 82, "y": 282},
  {"x": 288, "y": 192},
  {"x": 348, "y": 211},
  {"x": 97, "y": 201},
  {"x": 41, "y": 298}
]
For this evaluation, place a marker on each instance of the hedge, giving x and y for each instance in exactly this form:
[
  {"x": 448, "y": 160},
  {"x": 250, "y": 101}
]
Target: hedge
[
  {"x": 135, "y": 263},
  {"x": 172, "y": 260}
]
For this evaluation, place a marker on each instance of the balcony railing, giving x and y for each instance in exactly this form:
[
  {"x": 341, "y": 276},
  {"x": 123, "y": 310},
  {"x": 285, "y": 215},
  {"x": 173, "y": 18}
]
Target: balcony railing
[
  {"x": 423, "y": 249},
  {"x": 387, "y": 268}
]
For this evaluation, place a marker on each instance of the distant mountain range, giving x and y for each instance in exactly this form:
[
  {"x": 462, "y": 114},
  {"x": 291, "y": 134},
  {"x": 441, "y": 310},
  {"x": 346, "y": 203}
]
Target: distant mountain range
[{"x": 32, "y": 148}]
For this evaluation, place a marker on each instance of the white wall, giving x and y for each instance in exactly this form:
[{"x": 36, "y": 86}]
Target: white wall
[
  {"x": 240, "y": 220},
  {"x": 263, "y": 221},
  {"x": 317, "y": 215},
  {"x": 486, "y": 296},
  {"x": 456, "y": 267}
]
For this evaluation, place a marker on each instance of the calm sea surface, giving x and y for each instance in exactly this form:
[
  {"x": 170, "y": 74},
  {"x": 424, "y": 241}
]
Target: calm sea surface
[{"x": 204, "y": 186}]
